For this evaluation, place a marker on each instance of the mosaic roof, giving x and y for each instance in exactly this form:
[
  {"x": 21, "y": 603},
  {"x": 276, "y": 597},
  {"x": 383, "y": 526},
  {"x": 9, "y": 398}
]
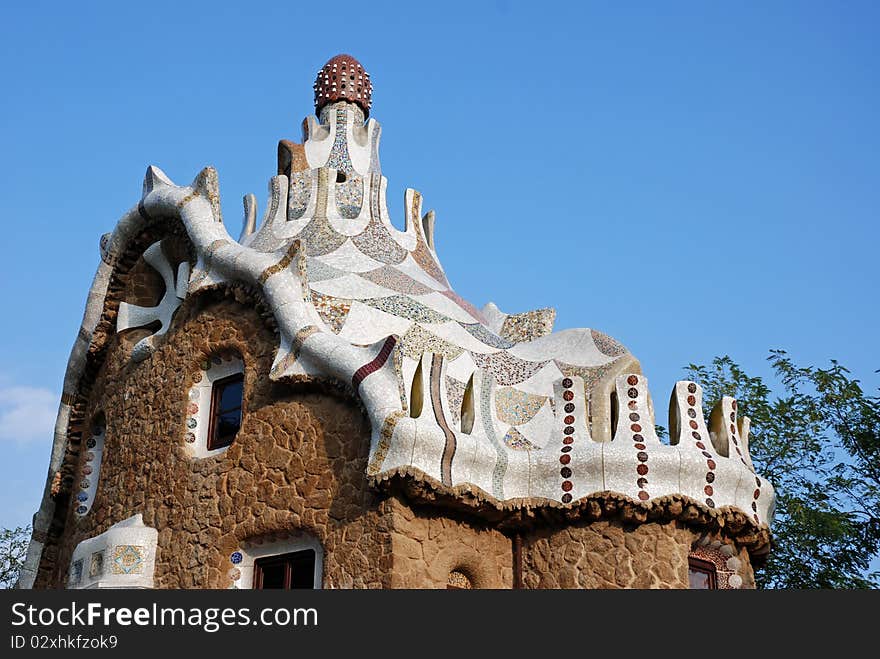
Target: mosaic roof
[{"x": 465, "y": 396}]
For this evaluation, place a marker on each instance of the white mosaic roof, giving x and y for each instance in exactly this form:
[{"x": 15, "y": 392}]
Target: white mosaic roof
[{"x": 466, "y": 397}]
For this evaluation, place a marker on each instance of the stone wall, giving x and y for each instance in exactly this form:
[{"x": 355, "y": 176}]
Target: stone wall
[
  {"x": 298, "y": 462},
  {"x": 608, "y": 555},
  {"x": 429, "y": 544}
]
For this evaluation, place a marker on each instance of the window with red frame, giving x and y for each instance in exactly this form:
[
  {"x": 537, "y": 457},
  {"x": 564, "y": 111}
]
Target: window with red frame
[{"x": 701, "y": 574}]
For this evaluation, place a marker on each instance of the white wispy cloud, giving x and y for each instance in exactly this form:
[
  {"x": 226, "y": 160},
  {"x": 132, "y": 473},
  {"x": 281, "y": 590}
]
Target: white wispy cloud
[{"x": 27, "y": 413}]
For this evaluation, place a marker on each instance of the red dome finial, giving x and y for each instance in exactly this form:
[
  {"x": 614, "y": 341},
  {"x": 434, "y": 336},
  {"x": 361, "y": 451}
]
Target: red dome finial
[{"x": 343, "y": 78}]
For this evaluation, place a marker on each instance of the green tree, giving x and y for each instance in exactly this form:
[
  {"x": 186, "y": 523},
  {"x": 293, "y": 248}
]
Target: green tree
[
  {"x": 13, "y": 548},
  {"x": 818, "y": 442}
]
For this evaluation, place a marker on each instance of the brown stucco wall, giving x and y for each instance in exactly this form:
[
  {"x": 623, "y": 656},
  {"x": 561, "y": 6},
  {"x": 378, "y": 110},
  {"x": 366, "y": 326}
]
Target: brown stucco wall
[
  {"x": 608, "y": 555},
  {"x": 298, "y": 462},
  {"x": 427, "y": 544}
]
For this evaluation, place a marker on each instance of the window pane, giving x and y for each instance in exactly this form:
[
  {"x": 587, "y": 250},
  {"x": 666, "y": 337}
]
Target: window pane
[
  {"x": 273, "y": 574},
  {"x": 699, "y": 580},
  {"x": 227, "y": 424},
  {"x": 296, "y": 570},
  {"x": 303, "y": 569},
  {"x": 231, "y": 395}
]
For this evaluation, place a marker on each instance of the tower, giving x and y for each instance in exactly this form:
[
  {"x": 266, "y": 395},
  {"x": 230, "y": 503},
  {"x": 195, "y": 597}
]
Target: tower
[{"x": 313, "y": 405}]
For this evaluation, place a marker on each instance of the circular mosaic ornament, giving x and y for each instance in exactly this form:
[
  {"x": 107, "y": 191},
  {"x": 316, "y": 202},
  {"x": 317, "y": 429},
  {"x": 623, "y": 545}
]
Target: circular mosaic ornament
[
  {"x": 81, "y": 510},
  {"x": 87, "y": 469},
  {"x": 84, "y": 485},
  {"x": 192, "y": 408},
  {"x": 236, "y": 557},
  {"x": 191, "y": 423},
  {"x": 91, "y": 442},
  {"x": 234, "y": 574},
  {"x": 193, "y": 394},
  {"x": 82, "y": 496},
  {"x": 190, "y": 438}
]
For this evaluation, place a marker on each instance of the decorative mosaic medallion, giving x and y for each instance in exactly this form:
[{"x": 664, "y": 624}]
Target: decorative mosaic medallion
[
  {"x": 128, "y": 559},
  {"x": 236, "y": 557}
]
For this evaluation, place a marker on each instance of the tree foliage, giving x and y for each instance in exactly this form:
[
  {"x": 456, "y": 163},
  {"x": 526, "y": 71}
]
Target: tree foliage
[
  {"x": 13, "y": 548},
  {"x": 818, "y": 442}
]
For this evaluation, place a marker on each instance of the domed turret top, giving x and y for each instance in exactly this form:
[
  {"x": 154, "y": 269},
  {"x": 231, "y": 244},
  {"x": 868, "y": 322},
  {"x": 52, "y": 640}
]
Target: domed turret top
[{"x": 343, "y": 78}]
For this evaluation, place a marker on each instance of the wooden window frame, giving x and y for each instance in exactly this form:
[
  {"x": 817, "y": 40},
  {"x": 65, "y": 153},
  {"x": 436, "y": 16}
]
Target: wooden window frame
[
  {"x": 217, "y": 388},
  {"x": 285, "y": 559},
  {"x": 705, "y": 567}
]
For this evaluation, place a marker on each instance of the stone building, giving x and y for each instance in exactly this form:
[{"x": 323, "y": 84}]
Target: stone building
[{"x": 312, "y": 405}]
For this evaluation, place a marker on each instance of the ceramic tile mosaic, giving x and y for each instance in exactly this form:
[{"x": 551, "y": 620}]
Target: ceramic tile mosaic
[
  {"x": 606, "y": 345},
  {"x": 487, "y": 336},
  {"x": 516, "y": 441},
  {"x": 96, "y": 565},
  {"x": 384, "y": 443},
  {"x": 466, "y": 306},
  {"x": 406, "y": 307},
  {"x": 423, "y": 256},
  {"x": 299, "y": 194},
  {"x": 418, "y": 341},
  {"x": 506, "y": 369},
  {"x": 376, "y": 241},
  {"x": 333, "y": 310},
  {"x": 516, "y": 407},
  {"x": 350, "y": 197},
  {"x": 486, "y": 387},
  {"x": 529, "y": 325},
  {"x": 339, "y": 156},
  {"x": 375, "y": 167},
  {"x": 454, "y": 395},
  {"x": 319, "y": 237},
  {"x": 590, "y": 374},
  {"x": 392, "y": 278},
  {"x": 128, "y": 559},
  {"x": 317, "y": 270},
  {"x": 76, "y": 573}
]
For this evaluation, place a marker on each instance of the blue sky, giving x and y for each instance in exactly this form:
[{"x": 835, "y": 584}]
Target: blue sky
[{"x": 692, "y": 178}]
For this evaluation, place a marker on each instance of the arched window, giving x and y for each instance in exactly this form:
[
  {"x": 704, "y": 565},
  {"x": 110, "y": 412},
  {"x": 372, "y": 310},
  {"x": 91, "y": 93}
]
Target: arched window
[
  {"x": 226, "y": 401},
  {"x": 215, "y": 405}
]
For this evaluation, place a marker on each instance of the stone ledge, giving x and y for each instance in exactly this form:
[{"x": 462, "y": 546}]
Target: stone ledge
[{"x": 530, "y": 512}]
